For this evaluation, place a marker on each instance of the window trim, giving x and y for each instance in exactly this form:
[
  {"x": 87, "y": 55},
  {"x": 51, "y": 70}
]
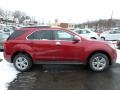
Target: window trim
[
  {"x": 53, "y": 36},
  {"x": 29, "y": 35}
]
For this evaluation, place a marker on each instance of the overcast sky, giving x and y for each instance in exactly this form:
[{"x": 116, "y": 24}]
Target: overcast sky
[{"x": 65, "y": 10}]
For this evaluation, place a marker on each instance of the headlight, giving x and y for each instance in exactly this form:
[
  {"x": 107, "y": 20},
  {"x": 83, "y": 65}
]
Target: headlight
[{"x": 112, "y": 45}]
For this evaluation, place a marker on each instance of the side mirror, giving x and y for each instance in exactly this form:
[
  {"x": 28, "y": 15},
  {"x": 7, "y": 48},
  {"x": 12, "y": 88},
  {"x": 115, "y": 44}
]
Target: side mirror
[{"x": 76, "y": 39}]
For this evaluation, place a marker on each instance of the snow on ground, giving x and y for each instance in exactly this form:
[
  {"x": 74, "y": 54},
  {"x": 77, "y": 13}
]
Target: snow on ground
[
  {"x": 118, "y": 56},
  {"x": 7, "y": 73}
]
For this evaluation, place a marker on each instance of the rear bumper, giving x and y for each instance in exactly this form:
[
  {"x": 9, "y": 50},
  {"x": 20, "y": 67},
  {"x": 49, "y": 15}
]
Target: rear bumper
[{"x": 113, "y": 57}]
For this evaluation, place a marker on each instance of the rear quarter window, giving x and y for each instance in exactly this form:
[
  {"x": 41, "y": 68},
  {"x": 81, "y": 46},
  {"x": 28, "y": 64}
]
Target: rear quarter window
[{"x": 16, "y": 34}]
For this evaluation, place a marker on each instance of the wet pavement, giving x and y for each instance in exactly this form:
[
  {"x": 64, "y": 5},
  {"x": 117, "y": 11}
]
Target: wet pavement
[{"x": 67, "y": 77}]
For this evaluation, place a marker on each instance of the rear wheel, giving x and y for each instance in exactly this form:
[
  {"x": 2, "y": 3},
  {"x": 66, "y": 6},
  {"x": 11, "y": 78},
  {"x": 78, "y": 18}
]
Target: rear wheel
[
  {"x": 22, "y": 62},
  {"x": 98, "y": 62}
]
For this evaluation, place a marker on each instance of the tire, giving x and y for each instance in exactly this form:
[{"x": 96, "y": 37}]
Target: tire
[
  {"x": 22, "y": 62},
  {"x": 98, "y": 62},
  {"x": 102, "y": 38}
]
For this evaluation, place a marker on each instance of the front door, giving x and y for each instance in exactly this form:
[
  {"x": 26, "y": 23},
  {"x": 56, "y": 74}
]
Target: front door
[{"x": 66, "y": 48}]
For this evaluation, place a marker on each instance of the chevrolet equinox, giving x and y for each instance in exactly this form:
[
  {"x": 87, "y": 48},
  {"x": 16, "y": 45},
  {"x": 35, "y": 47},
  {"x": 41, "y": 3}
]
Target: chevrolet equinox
[{"x": 47, "y": 45}]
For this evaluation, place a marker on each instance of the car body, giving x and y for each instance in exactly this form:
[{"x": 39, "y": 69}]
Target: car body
[
  {"x": 47, "y": 45},
  {"x": 113, "y": 35},
  {"x": 3, "y": 37},
  {"x": 87, "y": 33}
]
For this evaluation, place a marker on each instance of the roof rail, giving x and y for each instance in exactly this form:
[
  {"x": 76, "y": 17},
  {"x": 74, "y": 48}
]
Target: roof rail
[{"x": 36, "y": 27}]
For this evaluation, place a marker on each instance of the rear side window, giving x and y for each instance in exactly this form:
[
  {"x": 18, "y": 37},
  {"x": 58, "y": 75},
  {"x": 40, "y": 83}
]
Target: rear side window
[
  {"x": 16, "y": 34},
  {"x": 42, "y": 35}
]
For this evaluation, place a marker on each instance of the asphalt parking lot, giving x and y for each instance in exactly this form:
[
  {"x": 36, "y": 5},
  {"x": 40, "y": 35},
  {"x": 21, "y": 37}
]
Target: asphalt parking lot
[{"x": 67, "y": 77}]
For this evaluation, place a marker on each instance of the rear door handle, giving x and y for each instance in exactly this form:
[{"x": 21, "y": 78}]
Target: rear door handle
[{"x": 58, "y": 43}]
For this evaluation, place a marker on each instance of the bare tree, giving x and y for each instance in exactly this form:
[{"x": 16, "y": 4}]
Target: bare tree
[
  {"x": 20, "y": 15},
  {"x": 17, "y": 14},
  {"x": 1, "y": 12}
]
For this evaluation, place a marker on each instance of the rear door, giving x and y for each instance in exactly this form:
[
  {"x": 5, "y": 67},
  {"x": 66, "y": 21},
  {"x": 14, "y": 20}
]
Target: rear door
[{"x": 43, "y": 45}]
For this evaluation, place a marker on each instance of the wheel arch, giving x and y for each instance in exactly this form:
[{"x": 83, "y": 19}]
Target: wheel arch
[
  {"x": 99, "y": 51},
  {"x": 20, "y": 52}
]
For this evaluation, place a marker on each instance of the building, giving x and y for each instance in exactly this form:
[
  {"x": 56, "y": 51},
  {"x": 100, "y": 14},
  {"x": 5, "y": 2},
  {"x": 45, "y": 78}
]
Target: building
[
  {"x": 66, "y": 25},
  {"x": 70, "y": 26}
]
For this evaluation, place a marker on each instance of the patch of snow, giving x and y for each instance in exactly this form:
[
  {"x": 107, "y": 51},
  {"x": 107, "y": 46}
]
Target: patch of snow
[
  {"x": 118, "y": 56},
  {"x": 7, "y": 73}
]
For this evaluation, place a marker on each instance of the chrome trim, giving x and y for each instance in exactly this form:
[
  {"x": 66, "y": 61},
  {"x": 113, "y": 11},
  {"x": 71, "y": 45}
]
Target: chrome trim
[
  {"x": 51, "y": 40},
  {"x": 30, "y": 34}
]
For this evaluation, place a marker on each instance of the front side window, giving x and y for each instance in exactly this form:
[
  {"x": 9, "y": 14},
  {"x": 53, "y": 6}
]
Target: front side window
[
  {"x": 62, "y": 35},
  {"x": 41, "y": 35}
]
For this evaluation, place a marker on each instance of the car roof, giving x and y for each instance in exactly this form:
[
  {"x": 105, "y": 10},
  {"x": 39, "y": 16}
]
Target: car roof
[
  {"x": 82, "y": 29},
  {"x": 36, "y": 27},
  {"x": 109, "y": 31}
]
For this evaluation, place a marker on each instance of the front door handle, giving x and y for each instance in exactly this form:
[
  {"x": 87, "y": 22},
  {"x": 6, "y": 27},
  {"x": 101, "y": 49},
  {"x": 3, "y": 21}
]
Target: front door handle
[{"x": 58, "y": 43}]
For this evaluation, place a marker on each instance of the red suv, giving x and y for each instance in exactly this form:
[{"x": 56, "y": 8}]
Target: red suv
[{"x": 46, "y": 45}]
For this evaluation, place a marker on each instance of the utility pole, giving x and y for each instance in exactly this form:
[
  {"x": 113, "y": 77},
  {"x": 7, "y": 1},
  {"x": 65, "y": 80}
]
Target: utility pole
[
  {"x": 111, "y": 19},
  {"x": 87, "y": 24},
  {"x": 112, "y": 14},
  {"x": 6, "y": 17}
]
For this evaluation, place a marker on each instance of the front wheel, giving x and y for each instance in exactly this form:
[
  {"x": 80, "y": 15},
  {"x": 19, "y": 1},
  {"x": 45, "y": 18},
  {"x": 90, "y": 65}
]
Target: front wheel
[
  {"x": 22, "y": 62},
  {"x": 98, "y": 62}
]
